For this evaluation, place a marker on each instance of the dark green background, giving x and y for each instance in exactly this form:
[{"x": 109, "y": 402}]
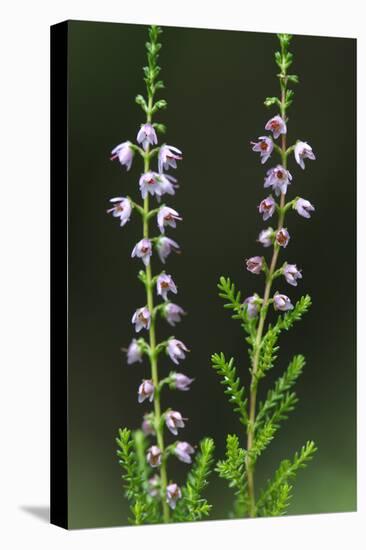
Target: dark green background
[{"x": 215, "y": 85}]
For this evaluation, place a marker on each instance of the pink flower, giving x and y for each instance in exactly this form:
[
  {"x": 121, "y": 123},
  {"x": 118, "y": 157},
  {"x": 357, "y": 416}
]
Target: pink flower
[
  {"x": 304, "y": 207},
  {"x": 255, "y": 264},
  {"x": 303, "y": 151},
  {"x": 276, "y": 125},
  {"x": 267, "y": 207},
  {"x": 150, "y": 183},
  {"x": 173, "y": 313},
  {"x": 282, "y": 237},
  {"x": 134, "y": 353},
  {"x": 278, "y": 178},
  {"x": 281, "y": 302},
  {"x": 141, "y": 318},
  {"x": 168, "y": 155},
  {"x": 182, "y": 382},
  {"x": 147, "y": 425},
  {"x": 146, "y": 391},
  {"x": 154, "y": 456},
  {"x": 165, "y": 284},
  {"x": 264, "y": 146},
  {"x": 173, "y": 493},
  {"x": 122, "y": 209},
  {"x": 291, "y": 274},
  {"x": 124, "y": 153},
  {"x": 173, "y": 421},
  {"x": 165, "y": 246},
  {"x": 183, "y": 450},
  {"x": 175, "y": 350},
  {"x": 266, "y": 237},
  {"x": 252, "y": 306},
  {"x": 143, "y": 250},
  {"x": 153, "y": 486},
  {"x": 147, "y": 135},
  {"x": 167, "y": 216}
]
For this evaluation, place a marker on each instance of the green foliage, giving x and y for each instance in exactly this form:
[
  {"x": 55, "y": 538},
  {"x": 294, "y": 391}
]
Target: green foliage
[
  {"x": 274, "y": 499},
  {"x": 132, "y": 476},
  {"x": 233, "y": 389},
  {"x": 233, "y": 470},
  {"x": 232, "y": 297},
  {"x": 193, "y": 506},
  {"x": 279, "y": 400}
]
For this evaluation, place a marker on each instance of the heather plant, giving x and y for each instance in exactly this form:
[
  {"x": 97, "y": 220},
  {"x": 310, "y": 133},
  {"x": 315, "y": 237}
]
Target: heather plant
[
  {"x": 144, "y": 454},
  {"x": 261, "y": 421}
]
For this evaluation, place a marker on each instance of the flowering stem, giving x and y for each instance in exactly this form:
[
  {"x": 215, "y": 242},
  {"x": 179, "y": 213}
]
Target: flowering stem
[
  {"x": 152, "y": 339},
  {"x": 264, "y": 309}
]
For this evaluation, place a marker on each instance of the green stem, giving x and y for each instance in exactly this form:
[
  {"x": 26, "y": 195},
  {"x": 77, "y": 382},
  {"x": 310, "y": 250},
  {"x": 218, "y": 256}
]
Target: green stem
[
  {"x": 153, "y": 355},
  {"x": 262, "y": 319}
]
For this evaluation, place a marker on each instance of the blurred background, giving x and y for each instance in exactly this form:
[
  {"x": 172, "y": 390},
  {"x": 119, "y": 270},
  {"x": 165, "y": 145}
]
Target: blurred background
[{"x": 216, "y": 82}]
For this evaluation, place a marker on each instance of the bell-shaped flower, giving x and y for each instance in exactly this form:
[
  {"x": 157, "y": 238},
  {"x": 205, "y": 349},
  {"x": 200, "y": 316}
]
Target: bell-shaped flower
[
  {"x": 266, "y": 236},
  {"x": 143, "y": 250},
  {"x": 181, "y": 381},
  {"x": 164, "y": 284},
  {"x": 282, "y": 237},
  {"x": 173, "y": 313},
  {"x": 278, "y": 178},
  {"x": 252, "y": 306},
  {"x": 165, "y": 246},
  {"x": 141, "y": 318},
  {"x": 304, "y": 208},
  {"x": 267, "y": 207},
  {"x": 291, "y": 274},
  {"x": 124, "y": 153},
  {"x": 134, "y": 353},
  {"x": 264, "y": 146},
  {"x": 303, "y": 151},
  {"x": 173, "y": 421},
  {"x": 255, "y": 264},
  {"x": 153, "y": 486},
  {"x": 173, "y": 494},
  {"x": 147, "y": 425},
  {"x": 146, "y": 391},
  {"x": 276, "y": 125},
  {"x": 150, "y": 182},
  {"x": 281, "y": 302},
  {"x": 168, "y": 184},
  {"x": 154, "y": 456},
  {"x": 147, "y": 136},
  {"x": 183, "y": 450},
  {"x": 167, "y": 216},
  {"x": 121, "y": 209},
  {"x": 168, "y": 156},
  {"x": 176, "y": 350}
]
